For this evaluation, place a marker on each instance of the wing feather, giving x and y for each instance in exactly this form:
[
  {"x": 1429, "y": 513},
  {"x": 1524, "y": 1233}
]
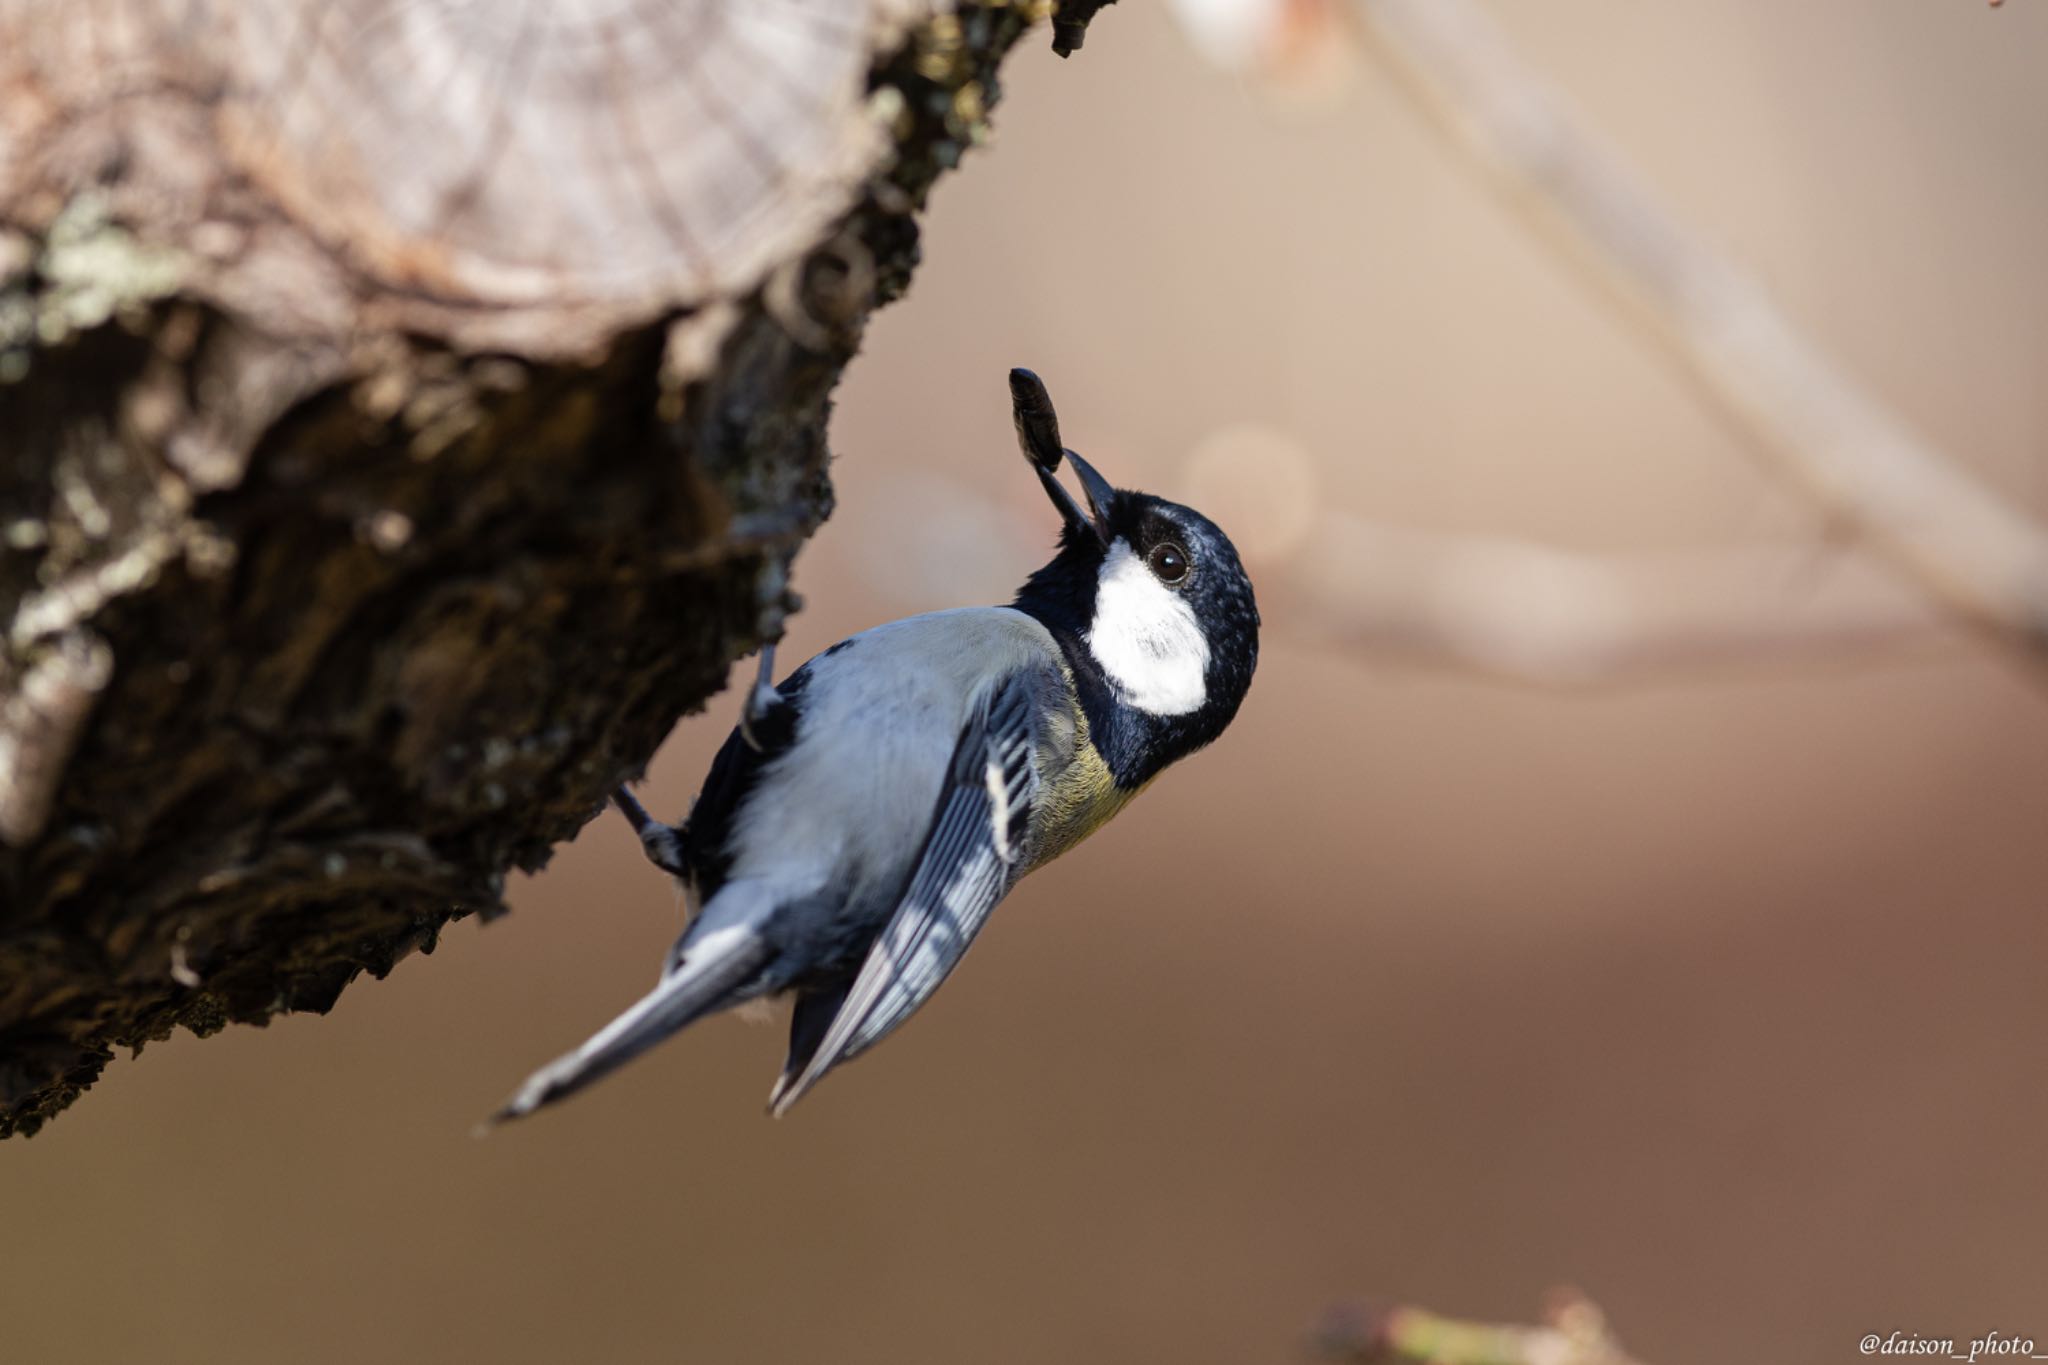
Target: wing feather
[{"x": 968, "y": 865}]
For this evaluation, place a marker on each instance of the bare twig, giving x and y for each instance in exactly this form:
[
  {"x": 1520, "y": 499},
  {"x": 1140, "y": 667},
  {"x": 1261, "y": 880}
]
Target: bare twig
[
  {"x": 1574, "y": 1332},
  {"x": 1961, "y": 542},
  {"x": 1532, "y": 613}
]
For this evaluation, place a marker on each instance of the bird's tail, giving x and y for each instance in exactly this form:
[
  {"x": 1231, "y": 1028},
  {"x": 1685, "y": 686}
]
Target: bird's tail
[{"x": 701, "y": 981}]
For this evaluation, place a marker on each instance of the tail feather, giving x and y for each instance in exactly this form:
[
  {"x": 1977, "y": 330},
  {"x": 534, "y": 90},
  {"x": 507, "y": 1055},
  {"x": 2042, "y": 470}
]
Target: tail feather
[{"x": 703, "y": 981}]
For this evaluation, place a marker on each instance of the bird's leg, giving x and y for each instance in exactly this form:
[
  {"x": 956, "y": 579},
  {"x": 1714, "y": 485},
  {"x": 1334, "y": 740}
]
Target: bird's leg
[
  {"x": 663, "y": 843},
  {"x": 761, "y": 700}
]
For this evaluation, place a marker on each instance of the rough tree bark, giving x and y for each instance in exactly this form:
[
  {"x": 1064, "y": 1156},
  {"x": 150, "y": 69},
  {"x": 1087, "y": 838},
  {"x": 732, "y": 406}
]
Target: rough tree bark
[{"x": 408, "y": 410}]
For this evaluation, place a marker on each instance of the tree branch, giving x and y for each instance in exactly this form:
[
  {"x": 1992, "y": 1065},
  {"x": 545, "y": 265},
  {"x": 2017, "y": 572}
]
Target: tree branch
[
  {"x": 1963, "y": 544},
  {"x": 1574, "y": 1332},
  {"x": 407, "y": 413},
  {"x": 1532, "y": 613},
  {"x": 1537, "y": 614}
]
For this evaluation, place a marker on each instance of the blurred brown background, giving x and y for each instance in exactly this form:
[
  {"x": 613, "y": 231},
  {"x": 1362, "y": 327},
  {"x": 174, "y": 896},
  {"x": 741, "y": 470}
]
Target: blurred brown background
[{"x": 1719, "y": 998}]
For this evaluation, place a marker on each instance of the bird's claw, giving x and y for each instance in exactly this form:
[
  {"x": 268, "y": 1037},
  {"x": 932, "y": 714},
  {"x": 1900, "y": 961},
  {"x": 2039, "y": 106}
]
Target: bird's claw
[{"x": 761, "y": 700}]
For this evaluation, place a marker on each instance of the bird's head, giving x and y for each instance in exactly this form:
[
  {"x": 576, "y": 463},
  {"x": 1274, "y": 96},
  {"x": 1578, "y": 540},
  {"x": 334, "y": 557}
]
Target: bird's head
[{"x": 1148, "y": 600}]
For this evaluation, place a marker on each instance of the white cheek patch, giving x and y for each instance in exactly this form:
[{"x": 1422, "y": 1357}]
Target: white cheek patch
[{"x": 1146, "y": 638}]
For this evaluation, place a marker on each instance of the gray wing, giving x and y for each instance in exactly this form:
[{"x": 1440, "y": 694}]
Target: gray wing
[{"x": 969, "y": 857}]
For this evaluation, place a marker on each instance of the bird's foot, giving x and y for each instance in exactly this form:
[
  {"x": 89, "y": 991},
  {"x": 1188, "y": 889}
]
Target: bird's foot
[
  {"x": 663, "y": 844},
  {"x": 761, "y": 700}
]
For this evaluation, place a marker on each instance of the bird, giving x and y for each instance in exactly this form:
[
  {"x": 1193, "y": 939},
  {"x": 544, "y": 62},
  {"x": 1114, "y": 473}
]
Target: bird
[{"x": 868, "y": 813}]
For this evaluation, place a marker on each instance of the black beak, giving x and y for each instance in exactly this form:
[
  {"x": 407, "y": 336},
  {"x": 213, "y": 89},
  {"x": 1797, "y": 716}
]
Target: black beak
[{"x": 1038, "y": 435}]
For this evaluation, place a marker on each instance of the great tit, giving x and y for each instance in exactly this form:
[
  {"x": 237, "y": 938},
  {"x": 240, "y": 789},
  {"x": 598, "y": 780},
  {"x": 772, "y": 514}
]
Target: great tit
[{"x": 865, "y": 817}]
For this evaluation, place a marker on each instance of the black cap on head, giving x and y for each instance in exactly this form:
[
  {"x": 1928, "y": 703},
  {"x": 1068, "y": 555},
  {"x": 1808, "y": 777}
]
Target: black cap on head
[{"x": 1189, "y": 561}]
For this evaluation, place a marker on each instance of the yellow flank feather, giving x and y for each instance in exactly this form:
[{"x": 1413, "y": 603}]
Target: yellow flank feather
[{"x": 1078, "y": 798}]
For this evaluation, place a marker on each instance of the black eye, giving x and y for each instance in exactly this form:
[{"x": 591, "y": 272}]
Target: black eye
[{"x": 1168, "y": 561}]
